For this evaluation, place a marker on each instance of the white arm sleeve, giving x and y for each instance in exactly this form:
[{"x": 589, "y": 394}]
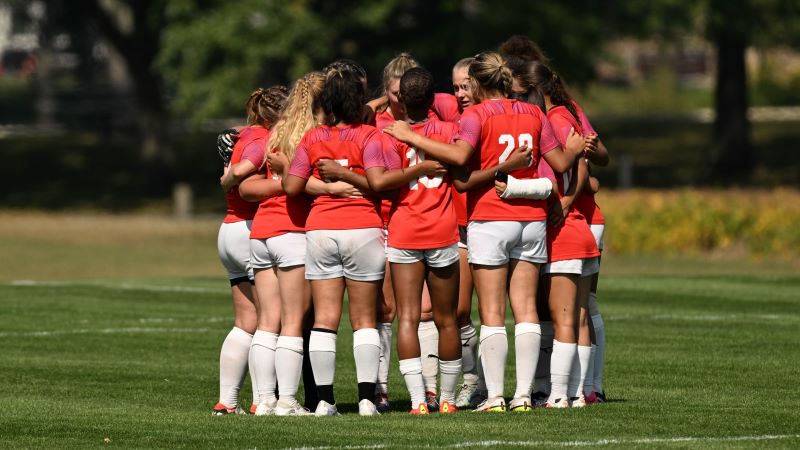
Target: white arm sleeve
[{"x": 535, "y": 189}]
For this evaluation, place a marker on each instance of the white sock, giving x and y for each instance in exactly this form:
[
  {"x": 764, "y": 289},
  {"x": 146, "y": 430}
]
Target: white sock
[
  {"x": 251, "y": 363},
  {"x": 412, "y": 373},
  {"x": 578, "y": 373},
  {"x": 262, "y": 350},
  {"x": 560, "y": 366},
  {"x": 429, "y": 351},
  {"x": 289, "y": 365},
  {"x": 233, "y": 365},
  {"x": 481, "y": 376},
  {"x": 527, "y": 339},
  {"x": 494, "y": 350},
  {"x": 542, "y": 383},
  {"x": 588, "y": 384},
  {"x": 600, "y": 351},
  {"x": 367, "y": 352},
  {"x": 322, "y": 353},
  {"x": 449, "y": 370},
  {"x": 469, "y": 354},
  {"x": 385, "y": 333}
]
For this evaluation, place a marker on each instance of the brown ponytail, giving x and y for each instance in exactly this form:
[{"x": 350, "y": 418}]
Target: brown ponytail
[{"x": 265, "y": 105}]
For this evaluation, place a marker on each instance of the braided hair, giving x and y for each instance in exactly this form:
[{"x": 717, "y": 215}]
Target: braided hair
[{"x": 264, "y": 105}]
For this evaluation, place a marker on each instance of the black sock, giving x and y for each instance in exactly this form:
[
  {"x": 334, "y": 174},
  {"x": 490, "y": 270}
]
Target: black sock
[
  {"x": 366, "y": 391},
  {"x": 309, "y": 385},
  {"x": 325, "y": 393}
]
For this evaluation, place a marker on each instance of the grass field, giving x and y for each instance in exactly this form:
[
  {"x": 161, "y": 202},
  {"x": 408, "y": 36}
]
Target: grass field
[{"x": 110, "y": 336}]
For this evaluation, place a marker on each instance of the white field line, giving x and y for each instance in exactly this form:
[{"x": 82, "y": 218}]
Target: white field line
[
  {"x": 130, "y": 330},
  {"x": 586, "y": 443},
  {"x": 701, "y": 317},
  {"x": 123, "y": 286}
]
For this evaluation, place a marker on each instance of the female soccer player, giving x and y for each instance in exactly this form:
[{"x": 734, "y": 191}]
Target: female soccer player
[
  {"x": 263, "y": 107},
  {"x": 343, "y": 239},
  {"x": 278, "y": 247},
  {"x": 572, "y": 254},
  {"x": 506, "y": 238}
]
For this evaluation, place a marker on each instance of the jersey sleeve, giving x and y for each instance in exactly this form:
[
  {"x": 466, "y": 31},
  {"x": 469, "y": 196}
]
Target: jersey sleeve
[
  {"x": 391, "y": 153},
  {"x": 373, "y": 152},
  {"x": 547, "y": 138},
  {"x": 588, "y": 130},
  {"x": 446, "y": 107},
  {"x": 470, "y": 129},
  {"x": 254, "y": 152},
  {"x": 301, "y": 164}
]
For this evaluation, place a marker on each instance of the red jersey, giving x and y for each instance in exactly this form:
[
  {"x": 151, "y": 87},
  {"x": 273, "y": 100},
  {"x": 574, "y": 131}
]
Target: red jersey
[
  {"x": 494, "y": 128},
  {"x": 250, "y": 146},
  {"x": 357, "y": 148},
  {"x": 573, "y": 239},
  {"x": 279, "y": 214},
  {"x": 585, "y": 201},
  {"x": 423, "y": 216}
]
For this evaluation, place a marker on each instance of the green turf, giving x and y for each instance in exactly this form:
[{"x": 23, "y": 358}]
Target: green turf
[{"x": 693, "y": 361}]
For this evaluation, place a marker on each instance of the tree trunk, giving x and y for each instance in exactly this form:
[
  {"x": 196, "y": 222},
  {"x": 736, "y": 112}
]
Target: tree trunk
[{"x": 732, "y": 155}]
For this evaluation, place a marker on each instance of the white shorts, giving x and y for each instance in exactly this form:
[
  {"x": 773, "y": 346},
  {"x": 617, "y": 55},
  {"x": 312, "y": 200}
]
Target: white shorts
[
  {"x": 285, "y": 250},
  {"x": 433, "y": 257},
  {"x": 584, "y": 267},
  {"x": 493, "y": 243},
  {"x": 233, "y": 245},
  {"x": 462, "y": 236},
  {"x": 355, "y": 254},
  {"x": 385, "y": 239},
  {"x": 598, "y": 230}
]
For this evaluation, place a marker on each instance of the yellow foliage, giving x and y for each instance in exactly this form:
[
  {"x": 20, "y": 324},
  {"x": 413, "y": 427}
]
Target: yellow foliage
[{"x": 686, "y": 221}]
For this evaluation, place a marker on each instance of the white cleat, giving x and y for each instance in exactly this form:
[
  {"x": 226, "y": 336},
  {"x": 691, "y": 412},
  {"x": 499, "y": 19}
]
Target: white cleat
[
  {"x": 557, "y": 403},
  {"x": 577, "y": 402},
  {"x": 291, "y": 408},
  {"x": 325, "y": 409},
  {"x": 497, "y": 405},
  {"x": 266, "y": 408},
  {"x": 367, "y": 408},
  {"x": 465, "y": 394}
]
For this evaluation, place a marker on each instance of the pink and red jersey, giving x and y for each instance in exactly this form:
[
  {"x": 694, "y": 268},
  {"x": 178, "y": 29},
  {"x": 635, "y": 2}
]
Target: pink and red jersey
[
  {"x": 357, "y": 148},
  {"x": 250, "y": 146},
  {"x": 494, "y": 128},
  {"x": 423, "y": 216},
  {"x": 573, "y": 239}
]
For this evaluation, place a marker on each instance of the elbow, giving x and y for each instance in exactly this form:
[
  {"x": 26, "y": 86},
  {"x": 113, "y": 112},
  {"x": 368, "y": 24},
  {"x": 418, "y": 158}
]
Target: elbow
[{"x": 460, "y": 186}]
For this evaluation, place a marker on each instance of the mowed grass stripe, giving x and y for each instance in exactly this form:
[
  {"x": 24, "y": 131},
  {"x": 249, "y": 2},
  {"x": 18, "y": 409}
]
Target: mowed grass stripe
[{"x": 673, "y": 381}]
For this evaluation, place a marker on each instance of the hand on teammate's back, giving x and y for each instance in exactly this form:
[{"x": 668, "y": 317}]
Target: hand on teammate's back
[
  {"x": 400, "y": 130},
  {"x": 555, "y": 214},
  {"x": 433, "y": 168},
  {"x": 329, "y": 170},
  {"x": 278, "y": 162},
  {"x": 590, "y": 144},
  {"x": 520, "y": 158},
  {"x": 225, "y": 142},
  {"x": 575, "y": 143}
]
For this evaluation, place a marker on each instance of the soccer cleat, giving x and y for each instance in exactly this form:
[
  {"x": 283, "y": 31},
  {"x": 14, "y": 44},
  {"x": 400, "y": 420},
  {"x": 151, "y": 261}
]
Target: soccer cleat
[
  {"x": 421, "y": 410},
  {"x": 478, "y": 397},
  {"x": 253, "y": 408},
  {"x": 326, "y": 409},
  {"x": 367, "y": 408},
  {"x": 557, "y": 403},
  {"x": 265, "y": 408},
  {"x": 520, "y": 404},
  {"x": 431, "y": 400},
  {"x": 601, "y": 397},
  {"x": 577, "y": 402},
  {"x": 465, "y": 394},
  {"x": 495, "y": 405},
  {"x": 290, "y": 408},
  {"x": 591, "y": 398},
  {"x": 446, "y": 407},
  {"x": 222, "y": 410},
  {"x": 382, "y": 403},
  {"x": 539, "y": 399}
]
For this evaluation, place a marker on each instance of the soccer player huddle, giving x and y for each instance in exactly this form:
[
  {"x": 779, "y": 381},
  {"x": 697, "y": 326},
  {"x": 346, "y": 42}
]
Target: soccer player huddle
[{"x": 409, "y": 202}]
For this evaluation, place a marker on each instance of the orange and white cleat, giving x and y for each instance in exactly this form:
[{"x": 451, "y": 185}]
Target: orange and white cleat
[
  {"x": 421, "y": 410},
  {"x": 446, "y": 407},
  {"x": 222, "y": 410}
]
